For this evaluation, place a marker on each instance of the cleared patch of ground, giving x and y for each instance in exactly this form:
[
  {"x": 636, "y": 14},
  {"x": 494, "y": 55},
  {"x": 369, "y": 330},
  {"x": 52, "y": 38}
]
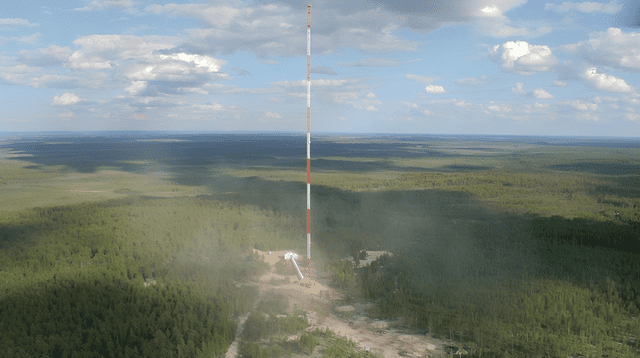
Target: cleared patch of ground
[{"x": 325, "y": 308}]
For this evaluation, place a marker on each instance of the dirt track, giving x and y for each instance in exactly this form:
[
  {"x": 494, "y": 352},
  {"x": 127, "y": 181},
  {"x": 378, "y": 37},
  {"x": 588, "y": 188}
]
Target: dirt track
[{"x": 324, "y": 308}]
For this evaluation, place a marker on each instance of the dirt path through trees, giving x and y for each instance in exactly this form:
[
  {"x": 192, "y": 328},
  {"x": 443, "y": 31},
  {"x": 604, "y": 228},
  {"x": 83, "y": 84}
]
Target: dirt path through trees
[{"x": 325, "y": 309}]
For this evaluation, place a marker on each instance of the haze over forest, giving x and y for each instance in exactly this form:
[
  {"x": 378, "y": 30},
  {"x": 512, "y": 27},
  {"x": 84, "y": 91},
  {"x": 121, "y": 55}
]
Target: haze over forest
[{"x": 486, "y": 153}]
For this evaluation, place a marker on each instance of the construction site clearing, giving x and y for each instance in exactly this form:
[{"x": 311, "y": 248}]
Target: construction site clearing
[{"x": 326, "y": 309}]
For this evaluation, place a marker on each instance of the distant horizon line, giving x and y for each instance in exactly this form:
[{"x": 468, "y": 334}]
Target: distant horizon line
[{"x": 303, "y": 133}]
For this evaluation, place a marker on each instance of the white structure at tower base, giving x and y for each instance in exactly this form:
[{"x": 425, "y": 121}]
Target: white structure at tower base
[{"x": 293, "y": 257}]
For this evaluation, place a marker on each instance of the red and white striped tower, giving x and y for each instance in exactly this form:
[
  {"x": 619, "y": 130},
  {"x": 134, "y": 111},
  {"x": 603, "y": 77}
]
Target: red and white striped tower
[{"x": 309, "y": 142}]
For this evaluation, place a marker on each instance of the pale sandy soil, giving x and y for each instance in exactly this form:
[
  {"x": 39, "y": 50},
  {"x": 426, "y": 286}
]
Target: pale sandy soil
[{"x": 325, "y": 309}]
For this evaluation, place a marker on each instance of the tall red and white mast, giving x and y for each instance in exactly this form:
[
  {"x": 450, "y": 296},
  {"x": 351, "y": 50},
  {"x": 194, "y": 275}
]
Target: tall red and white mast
[{"x": 309, "y": 142}]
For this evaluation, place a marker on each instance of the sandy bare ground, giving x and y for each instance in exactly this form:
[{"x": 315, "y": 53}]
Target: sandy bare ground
[{"x": 325, "y": 309}]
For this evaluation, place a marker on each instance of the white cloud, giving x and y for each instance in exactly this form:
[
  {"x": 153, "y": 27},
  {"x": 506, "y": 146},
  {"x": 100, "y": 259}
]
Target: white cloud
[
  {"x": 79, "y": 61},
  {"x": 542, "y": 94},
  {"x": 65, "y": 99},
  {"x": 136, "y": 87},
  {"x": 14, "y": 22},
  {"x": 370, "y": 62},
  {"x": 522, "y": 57},
  {"x": 371, "y": 95},
  {"x": 606, "y": 83},
  {"x": 340, "y": 97},
  {"x": 502, "y": 108},
  {"x": 462, "y": 104},
  {"x": 612, "y": 48},
  {"x": 52, "y": 56},
  {"x": 16, "y": 74},
  {"x": 472, "y": 81},
  {"x": 491, "y": 21},
  {"x": 420, "y": 78},
  {"x": 209, "y": 62},
  {"x": 588, "y": 116},
  {"x": 559, "y": 83},
  {"x": 414, "y": 105},
  {"x": 541, "y": 105},
  {"x": 323, "y": 70},
  {"x": 434, "y": 89},
  {"x": 633, "y": 117},
  {"x": 272, "y": 115},
  {"x": 538, "y": 93},
  {"x": 209, "y": 107},
  {"x": 106, "y": 4},
  {"x": 342, "y": 119},
  {"x": 426, "y": 111},
  {"x": 320, "y": 82},
  {"x": 582, "y": 106},
  {"x": 518, "y": 88},
  {"x": 586, "y": 7}
]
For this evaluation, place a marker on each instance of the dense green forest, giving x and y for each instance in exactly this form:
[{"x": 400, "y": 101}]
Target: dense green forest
[
  {"x": 131, "y": 277},
  {"x": 507, "y": 253}
]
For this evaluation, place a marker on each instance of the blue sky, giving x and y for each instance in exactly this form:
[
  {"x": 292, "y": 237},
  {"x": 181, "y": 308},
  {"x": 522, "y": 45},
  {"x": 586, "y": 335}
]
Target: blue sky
[{"x": 512, "y": 67}]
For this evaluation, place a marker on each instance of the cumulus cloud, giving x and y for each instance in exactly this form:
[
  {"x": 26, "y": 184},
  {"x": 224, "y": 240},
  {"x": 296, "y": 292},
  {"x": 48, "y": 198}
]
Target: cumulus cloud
[
  {"x": 472, "y": 81},
  {"x": 414, "y": 105},
  {"x": 587, "y": 116},
  {"x": 323, "y": 70},
  {"x": 559, "y": 83},
  {"x": 208, "y": 107},
  {"x": 341, "y": 97},
  {"x": 370, "y": 62},
  {"x": 500, "y": 108},
  {"x": 272, "y": 114},
  {"x": 541, "y": 105},
  {"x": 52, "y": 56},
  {"x": 537, "y": 93},
  {"x": 15, "y": 22},
  {"x": 420, "y": 78},
  {"x": 586, "y": 7},
  {"x": 462, "y": 104},
  {"x": 16, "y": 74},
  {"x": 583, "y": 106},
  {"x": 434, "y": 89},
  {"x": 518, "y": 88},
  {"x": 491, "y": 21},
  {"x": 606, "y": 83},
  {"x": 426, "y": 111},
  {"x": 208, "y": 62},
  {"x": 65, "y": 99},
  {"x": 273, "y": 29},
  {"x": 319, "y": 82},
  {"x": 136, "y": 87},
  {"x": 523, "y": 58},
  {"x": 634, "y": 117},
  {"x": 106, "y": 4},
  {"x": 65, "y": 82},
  {"x": 371, "y": 108},
  {"x": 612, "y": 48},
  {"x": 542, "y": 94}
]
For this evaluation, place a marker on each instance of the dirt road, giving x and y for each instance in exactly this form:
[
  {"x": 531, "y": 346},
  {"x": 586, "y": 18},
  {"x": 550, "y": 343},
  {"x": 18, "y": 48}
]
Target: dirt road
[{"x": 324, "y": 309}]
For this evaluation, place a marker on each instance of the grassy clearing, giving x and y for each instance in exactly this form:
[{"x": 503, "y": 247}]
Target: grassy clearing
[{"x": 24, "y": 186}]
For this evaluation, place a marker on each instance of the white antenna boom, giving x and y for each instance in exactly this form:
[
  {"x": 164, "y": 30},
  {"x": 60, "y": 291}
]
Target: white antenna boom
[{"x": 293, "y": 257}]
